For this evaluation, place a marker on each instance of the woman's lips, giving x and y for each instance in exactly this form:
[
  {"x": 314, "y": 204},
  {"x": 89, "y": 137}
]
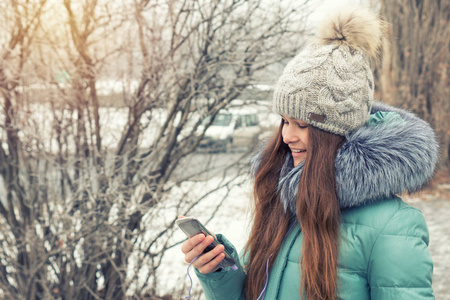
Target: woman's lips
[{"x": 298, "y": 152}]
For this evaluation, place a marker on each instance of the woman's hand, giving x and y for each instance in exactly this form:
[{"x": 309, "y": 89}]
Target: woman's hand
[{"x": 207, "y": 262}]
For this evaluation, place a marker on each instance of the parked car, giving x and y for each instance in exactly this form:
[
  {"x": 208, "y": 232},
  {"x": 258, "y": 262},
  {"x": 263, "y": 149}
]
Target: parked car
[{"x": 231, "y": 129}]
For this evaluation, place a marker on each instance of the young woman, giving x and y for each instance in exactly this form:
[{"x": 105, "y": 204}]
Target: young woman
[{"x": 327, "y": 223}]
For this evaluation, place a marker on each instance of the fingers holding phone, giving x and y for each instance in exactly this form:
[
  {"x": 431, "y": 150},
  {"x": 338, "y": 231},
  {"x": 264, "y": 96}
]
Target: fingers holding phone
[
  {"x": 195, "y": 246},
  {"x": 204, "y": 246},
  {"x": 209, "y": 262},
  {"x": 206, "y": 262}
]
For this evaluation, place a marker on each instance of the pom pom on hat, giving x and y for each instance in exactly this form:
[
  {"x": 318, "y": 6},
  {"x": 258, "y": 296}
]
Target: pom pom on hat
[
  {"x": 358, "y": 28},
  {"x": 330, "y": 83}
]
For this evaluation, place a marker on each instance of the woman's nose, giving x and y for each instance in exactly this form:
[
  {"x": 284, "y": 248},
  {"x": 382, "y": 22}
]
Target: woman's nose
[{"x": 289, "y": 135}]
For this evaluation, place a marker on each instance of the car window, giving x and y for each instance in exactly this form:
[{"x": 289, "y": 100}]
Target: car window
[
  {"x": 219, "y": 120},
  {"x": 251, "y": 120}
]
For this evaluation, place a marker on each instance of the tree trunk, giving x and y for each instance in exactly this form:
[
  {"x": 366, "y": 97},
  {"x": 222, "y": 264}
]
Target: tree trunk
[{"x": 415, "y": 69}]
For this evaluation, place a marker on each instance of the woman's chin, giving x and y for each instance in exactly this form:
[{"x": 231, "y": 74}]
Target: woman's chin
[{"x": 297, "y": 161}]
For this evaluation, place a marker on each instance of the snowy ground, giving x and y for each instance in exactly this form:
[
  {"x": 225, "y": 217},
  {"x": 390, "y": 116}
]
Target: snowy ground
[
  {"x": 232, "y": 220},
  {"x": 437, "y": 213}
]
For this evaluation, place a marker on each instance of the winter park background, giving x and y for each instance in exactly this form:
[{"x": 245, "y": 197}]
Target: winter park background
[{"x": 109, "y": 129}]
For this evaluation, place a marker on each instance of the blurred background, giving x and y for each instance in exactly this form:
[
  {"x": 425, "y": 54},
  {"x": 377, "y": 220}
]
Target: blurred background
[{"x": 116, "y": 116}]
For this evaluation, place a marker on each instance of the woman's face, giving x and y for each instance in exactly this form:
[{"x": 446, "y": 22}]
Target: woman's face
[{"x": 295, "y": 135}]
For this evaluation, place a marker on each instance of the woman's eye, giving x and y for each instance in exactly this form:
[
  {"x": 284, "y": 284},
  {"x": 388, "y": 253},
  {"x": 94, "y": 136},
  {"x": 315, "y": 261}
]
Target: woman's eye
[
  {"x": 302, "y": 126},
  {"x": 285, "y": 122}
]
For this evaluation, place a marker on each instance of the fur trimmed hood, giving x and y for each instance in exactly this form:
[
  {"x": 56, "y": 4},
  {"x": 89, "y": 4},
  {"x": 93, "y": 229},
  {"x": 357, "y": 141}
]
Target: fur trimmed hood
[
  {"x": 386, "y": 159},
  {"x": 377, "y": 161}
]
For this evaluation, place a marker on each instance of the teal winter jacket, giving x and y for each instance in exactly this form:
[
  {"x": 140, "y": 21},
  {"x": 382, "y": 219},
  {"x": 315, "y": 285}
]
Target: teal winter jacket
[{"x": 383, "y": 251}]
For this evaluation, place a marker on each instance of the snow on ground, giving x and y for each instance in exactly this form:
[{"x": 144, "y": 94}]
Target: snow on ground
[
  {"x": 232, "y": 220},
  {"x": 437, "y": 212},
  {"x": 38, "y": 124}
]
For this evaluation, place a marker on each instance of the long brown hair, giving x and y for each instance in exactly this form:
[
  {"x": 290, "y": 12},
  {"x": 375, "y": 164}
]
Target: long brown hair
[{"x": 317, "y": 210}]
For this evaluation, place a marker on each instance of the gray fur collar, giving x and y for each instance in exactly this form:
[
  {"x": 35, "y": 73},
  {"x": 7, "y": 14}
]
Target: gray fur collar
[{"x": 375, "y": 162}]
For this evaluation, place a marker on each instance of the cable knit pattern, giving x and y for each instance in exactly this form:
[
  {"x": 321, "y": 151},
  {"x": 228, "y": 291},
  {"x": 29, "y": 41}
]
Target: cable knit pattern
[
  {"x": 327, "y": 81},
  {"x": 330, "y": 84}
]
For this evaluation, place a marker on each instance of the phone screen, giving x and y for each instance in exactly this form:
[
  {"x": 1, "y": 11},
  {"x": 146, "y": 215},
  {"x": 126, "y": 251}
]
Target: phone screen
[{"x": 191, "y": 228}]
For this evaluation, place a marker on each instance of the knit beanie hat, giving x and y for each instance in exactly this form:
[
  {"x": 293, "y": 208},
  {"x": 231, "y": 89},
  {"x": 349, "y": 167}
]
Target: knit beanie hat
[{"x": 330, "y": 83}]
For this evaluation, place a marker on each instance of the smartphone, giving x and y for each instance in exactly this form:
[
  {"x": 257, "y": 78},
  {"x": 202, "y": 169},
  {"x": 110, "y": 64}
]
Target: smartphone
[{"x": 192, "y": 226}]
